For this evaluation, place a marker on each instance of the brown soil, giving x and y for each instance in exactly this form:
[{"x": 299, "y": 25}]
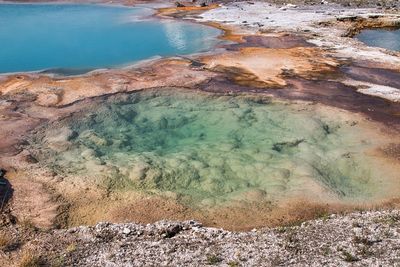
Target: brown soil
[{"x": 32, "y": 203}]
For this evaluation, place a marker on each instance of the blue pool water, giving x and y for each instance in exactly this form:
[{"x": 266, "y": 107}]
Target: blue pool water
[
  {"x": 389, "y": 39},
  {"x": 80, "y": 37}
]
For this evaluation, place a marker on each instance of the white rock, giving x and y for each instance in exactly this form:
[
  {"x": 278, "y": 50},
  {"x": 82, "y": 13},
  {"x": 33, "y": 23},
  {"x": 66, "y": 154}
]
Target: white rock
[{"x": 126, "y": 231}]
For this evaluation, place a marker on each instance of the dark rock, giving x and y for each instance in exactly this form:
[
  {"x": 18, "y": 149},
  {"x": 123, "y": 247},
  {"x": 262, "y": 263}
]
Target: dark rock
[
  {"x": 171, "y": 231},
  {"x": 280, "y": 147},
  {"x": 2, "y": 172},
  {"x": 347, "y": 18},
  {"x": 31, "y": 159}
]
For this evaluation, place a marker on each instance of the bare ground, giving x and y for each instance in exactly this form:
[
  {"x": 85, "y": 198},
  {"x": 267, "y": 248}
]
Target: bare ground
[{"x": 355, "y": 239}]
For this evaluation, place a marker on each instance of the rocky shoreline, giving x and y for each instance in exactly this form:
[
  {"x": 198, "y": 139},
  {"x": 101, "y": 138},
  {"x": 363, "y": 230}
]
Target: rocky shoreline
[{"x": 355, "y": 239}]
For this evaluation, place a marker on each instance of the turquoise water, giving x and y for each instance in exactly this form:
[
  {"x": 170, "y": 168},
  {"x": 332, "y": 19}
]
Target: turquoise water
[
  {"x": 210, "y": 149},
  {"x": 46, "y": 36},
  {"x": 389, "y": 39}
]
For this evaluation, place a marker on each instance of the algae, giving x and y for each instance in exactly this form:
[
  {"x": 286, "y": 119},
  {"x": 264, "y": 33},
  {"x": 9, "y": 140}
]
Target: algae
[{"x": 206, "y": 149}]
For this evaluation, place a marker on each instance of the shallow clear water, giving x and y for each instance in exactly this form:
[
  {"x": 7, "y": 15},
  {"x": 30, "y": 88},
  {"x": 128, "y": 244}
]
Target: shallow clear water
[
  {"x": 389, "y": 39},
  {"x": 210, "y": 149},
  {"x": 45, "y": 36}
]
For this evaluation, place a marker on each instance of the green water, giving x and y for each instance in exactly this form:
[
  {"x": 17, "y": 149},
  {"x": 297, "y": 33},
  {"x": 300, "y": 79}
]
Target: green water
[{"x": 207, "y": 149}]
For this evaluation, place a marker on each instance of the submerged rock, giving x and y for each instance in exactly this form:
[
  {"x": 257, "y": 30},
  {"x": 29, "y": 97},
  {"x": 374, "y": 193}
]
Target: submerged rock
[{"x": 203, "y": 150}]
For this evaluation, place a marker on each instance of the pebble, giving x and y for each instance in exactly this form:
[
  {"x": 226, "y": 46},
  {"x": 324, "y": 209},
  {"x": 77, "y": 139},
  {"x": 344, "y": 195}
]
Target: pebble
[{"x": 126, "y": 231}]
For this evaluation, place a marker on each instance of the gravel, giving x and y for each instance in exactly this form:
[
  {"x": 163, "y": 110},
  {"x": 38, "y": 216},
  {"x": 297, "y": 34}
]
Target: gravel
[{"x": 356, "y": 239}]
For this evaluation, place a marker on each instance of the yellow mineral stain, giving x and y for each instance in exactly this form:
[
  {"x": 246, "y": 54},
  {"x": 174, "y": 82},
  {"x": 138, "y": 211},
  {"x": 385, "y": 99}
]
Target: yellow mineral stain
[{"x": 268, "y": 65}]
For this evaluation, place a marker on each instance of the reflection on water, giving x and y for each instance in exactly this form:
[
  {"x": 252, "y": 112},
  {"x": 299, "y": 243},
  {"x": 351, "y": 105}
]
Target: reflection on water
[
  {"x": 389, "y": 39},
  {"x": 62, "y": 36},
  {"x": 179, "y": 39},
  {"x": 175, "y": 35}
]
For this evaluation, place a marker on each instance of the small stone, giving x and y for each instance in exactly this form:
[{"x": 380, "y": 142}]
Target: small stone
[
  {"x": 2, "y": 172},
  {"x": 126, "y": 231}
]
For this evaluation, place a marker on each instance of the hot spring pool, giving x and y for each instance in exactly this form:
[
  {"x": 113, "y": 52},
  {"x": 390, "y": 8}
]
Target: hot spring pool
[
  {"x": 82, "y": 37},
  {"x": 389, "y": 39},
  {"x": 209, "y": 149}
]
